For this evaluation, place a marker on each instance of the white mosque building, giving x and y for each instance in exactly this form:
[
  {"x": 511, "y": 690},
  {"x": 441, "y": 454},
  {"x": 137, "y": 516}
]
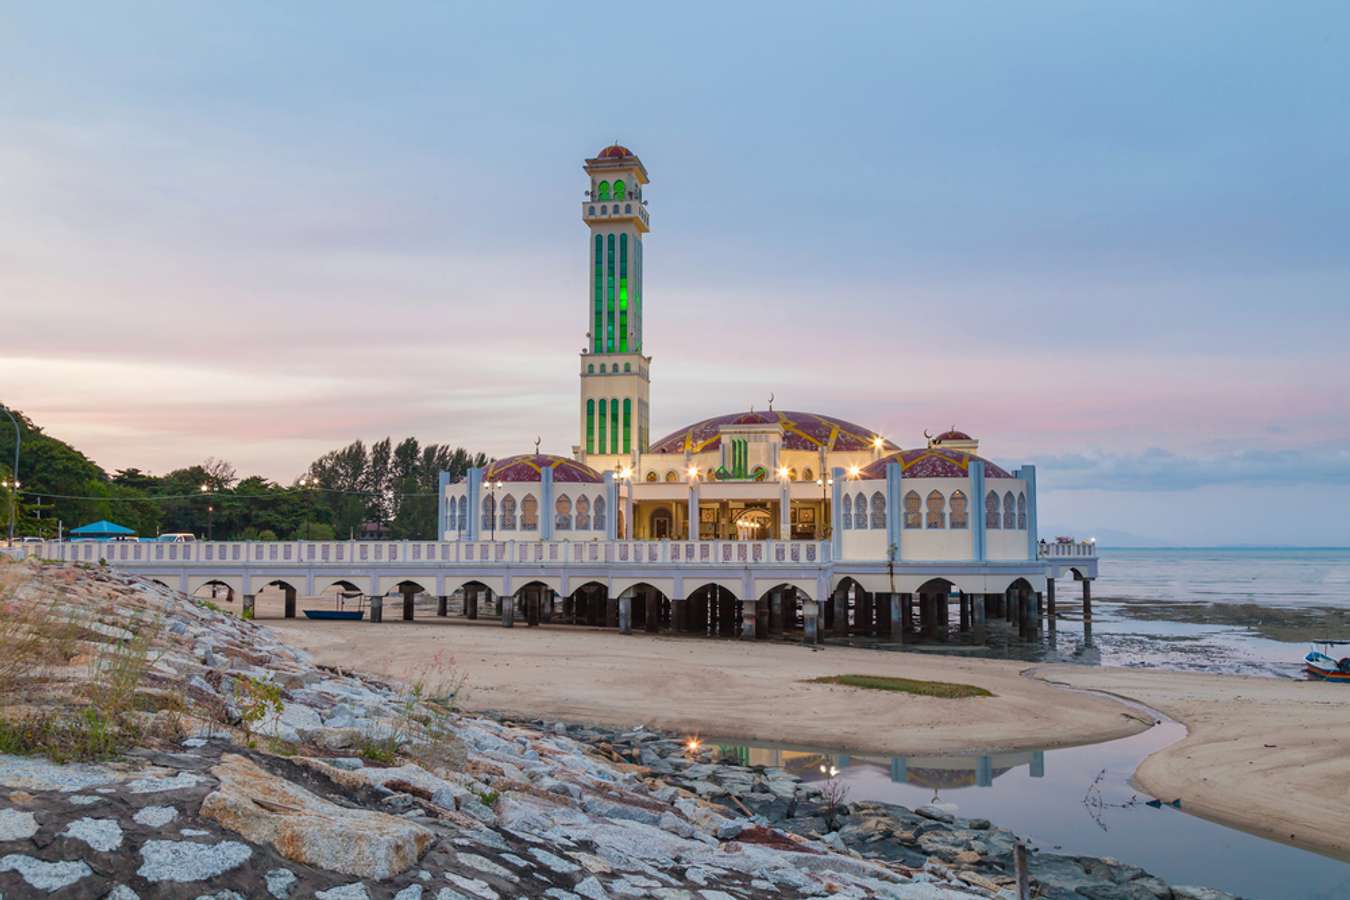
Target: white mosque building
[{"x": 740, "y": 484}]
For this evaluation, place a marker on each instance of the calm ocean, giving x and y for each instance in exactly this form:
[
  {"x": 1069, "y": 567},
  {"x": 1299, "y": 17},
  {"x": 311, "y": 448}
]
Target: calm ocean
[{"x": 1273, "y": 576}]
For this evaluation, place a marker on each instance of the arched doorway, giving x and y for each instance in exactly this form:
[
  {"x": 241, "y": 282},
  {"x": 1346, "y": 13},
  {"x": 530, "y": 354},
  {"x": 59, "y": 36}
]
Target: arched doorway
[
  {"x": 754, "y": 525},
  {"x": 588, "y": 605},
  {"x": 934, "y": 601},
  {"x": 713, "y": 610}
]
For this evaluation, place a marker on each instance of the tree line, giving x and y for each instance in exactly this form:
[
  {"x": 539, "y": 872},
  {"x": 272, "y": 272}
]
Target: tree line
[{"x": 385, "y": 489}]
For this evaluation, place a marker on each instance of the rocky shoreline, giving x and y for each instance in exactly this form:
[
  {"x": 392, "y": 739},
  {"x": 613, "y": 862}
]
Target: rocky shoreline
[{"x": 345, "y": 787}]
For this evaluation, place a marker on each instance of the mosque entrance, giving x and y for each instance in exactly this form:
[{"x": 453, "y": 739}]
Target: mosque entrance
[
  {"x": 754, "y": 525},
  {"x": 663, "y": 525}
]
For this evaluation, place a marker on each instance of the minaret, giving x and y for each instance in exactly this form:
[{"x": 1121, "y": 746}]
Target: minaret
[{"x": 615, "y": 385}]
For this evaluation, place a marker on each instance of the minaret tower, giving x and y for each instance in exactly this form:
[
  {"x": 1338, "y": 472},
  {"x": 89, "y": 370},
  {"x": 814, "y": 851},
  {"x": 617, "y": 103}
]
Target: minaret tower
[{"x": 615, "y": 385}]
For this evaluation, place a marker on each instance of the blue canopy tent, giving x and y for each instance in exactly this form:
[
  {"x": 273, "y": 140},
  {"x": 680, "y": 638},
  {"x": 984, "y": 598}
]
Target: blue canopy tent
[{"x": 102, "y": 530}]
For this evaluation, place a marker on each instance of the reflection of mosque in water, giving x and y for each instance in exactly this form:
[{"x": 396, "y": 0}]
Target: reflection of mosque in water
[{"x": 934, "y": 772}]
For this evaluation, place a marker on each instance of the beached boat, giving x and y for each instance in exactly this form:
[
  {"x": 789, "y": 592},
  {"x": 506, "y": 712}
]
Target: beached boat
[
  {"x": 339, "y": 612},
  {"x": 1320, "y": 664}
]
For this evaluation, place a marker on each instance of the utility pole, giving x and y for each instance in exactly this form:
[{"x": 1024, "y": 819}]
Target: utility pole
[{"x": 13, "y": 475}]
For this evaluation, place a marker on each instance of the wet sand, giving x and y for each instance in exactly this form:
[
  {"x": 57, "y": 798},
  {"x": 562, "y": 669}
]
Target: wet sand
[
  {"x": 745, "y": 689},
  {"x": 1267, "y": 755}
]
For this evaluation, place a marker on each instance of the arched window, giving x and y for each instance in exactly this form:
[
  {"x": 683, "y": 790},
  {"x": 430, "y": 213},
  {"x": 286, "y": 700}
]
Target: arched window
[
  {"x": 590, "y": 368},
  {"x": 651, "y": 476},
  {"x": 464, "y": 513},
  {"x": 628, "y": 367},
  {"x": 487, "y": 513},
  {"x": 628, "y": 207},
  {"x": 792, "y": 474},
  {"x": 529, "y": 513},
  {"x": 583, "y": 513},
  {"x": 562, "y": 507},
  {"x": 960, "y": 517},
  {"x": 604, "y": 210},
  {"x": 614, "y": 368},
  {"x": 1009, "y": 510},
  {"x": 671, "y": 476},
  {"x": 860, "y": 511},
  {"x": 1022, "y": 511},
  {"x": 878, "y": 510},
  {"x": 590, "y": 210},
  {"x": 808, "y": 475},
  {"x": 508, "y": 513},
  {"x": 913, "y": 510},
  {"x": 991, "y": 519},
  {"x": 618, "y": 189},
  {"x": 452, "y": 516},
  {"x": 846, "y": 510},
  {"x": 937, "y": 510},
  {"x": 599, "y": 508},
  {"x": 603, "y": 191}
]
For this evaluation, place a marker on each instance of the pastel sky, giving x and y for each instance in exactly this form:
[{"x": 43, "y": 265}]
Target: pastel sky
[{"x": 1110, "y": 239}]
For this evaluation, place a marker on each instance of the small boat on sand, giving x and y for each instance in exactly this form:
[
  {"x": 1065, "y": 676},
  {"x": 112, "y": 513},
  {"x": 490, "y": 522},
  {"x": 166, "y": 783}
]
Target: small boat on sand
[
  {"x": 339, "y": 613},
  {"x": 1321, "y": 665}
]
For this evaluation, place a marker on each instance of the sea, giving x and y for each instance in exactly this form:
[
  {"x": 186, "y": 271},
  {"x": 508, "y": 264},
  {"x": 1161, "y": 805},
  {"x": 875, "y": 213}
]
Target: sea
[{"x": 1238, "y": 610}]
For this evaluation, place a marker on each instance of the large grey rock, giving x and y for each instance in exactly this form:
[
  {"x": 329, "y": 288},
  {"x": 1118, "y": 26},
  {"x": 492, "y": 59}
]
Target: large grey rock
[
  {"x": 189, "y": 861},
  {"x": 104, "y": 835},
  {"x": 155, "y": 816},
  {"x": 280, "y": 883},
  {"x": 16, "y": 825},
  {"x": 155, "y": 784},
  {"x": 308, "y": 829},
  {"x": 1194, "y": 892},
  {"x": 45, "y": 876},
  {"x": 36, "y": 774},
  {"x": 354, "y": 891}
]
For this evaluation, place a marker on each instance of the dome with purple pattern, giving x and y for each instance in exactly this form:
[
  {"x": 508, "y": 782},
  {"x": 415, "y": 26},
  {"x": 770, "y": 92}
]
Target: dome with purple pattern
[
  {"x": 932, "y": 462},
  {"x": 530, "y": 467},
  {"x": 801, "y": 431}
]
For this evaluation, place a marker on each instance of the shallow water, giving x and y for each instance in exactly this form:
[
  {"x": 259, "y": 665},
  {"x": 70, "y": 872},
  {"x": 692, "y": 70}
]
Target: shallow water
[
  {"x": 1077, "y": 800},
  {"x": 1270, "y": 576}
]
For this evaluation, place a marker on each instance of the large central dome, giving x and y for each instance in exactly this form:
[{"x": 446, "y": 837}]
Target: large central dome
[{"x": 801, "y": 431}]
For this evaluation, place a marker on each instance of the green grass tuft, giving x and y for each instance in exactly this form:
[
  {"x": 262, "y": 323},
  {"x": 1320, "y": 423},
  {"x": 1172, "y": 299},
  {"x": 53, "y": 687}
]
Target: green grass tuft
[{"x": 945, "y": 689}]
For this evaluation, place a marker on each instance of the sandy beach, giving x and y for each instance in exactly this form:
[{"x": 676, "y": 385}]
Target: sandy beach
[{"x": 1264, "y": 755}]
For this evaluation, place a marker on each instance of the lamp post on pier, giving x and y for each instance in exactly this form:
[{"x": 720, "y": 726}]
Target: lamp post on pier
[{"x": 210, "y": 513}]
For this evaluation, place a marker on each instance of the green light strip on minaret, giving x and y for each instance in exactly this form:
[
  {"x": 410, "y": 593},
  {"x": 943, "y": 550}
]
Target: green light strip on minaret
[
  {"x": 590, "y": 426},
  {"x": 603, "y": 418},
  {"x": 623, "y": 293},
  {"x": 598, "y": 330},
  {"x": 614, "y": 426},
  {"x": 637, "y": 296},
  {"x": 627, "y": 425},
  {"x": 609, "y": 292}
]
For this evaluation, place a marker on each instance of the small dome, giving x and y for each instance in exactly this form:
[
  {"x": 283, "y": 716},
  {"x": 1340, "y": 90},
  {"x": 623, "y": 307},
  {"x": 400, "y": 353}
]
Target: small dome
[
  {"x": 954, "y": 435},
  {"x": 530, "y": 466},
  {"x": 801, "y": 431},
  {"x": 933, "y": 462},
  {"x": 614, "y": 151}
]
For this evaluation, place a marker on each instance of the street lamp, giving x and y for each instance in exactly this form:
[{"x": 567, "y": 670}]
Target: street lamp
[
  {"x": 820, "y": 522},
  {"x": 210, "y": 514},
  {"x": 306, "y": 482},
  {"x": 14, "y": 474}
]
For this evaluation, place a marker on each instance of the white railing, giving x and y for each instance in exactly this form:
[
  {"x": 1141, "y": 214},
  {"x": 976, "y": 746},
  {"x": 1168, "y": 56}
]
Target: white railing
[
  {"x": 430, "y": 553},
  {"x": 1067, "y": 550}
]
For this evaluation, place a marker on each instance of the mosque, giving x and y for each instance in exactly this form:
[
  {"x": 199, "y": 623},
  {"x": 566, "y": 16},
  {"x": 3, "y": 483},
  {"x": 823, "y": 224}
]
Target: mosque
[
  {"x": 748, "y": 475},
  {"x": 885, "y": 517}
]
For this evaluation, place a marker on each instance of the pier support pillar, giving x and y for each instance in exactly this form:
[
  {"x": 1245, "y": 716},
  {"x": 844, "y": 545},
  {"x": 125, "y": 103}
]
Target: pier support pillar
[
  {"x": 442, "y": 606},
  {"x": 895, "y": 617},
  {"x": 882, "y": 604},
  {"x": 507, "y": 605},
  {"x": 377, "y": 609},
  {"x": 409, "y": 598},
  {"x": 652, "y": 621},
  {"x": 1087, "y": 599},
  {"x": 963, "y": 623},
  {"x": 679, "y": 614},
  {"x": 811, "y": 621},
  {"x": 906, "y": 616},
  {"x": 611, "y": 612},
  {"x": 749, "y": 614},
  {"x": 978, "y": 615},
  {"x": 249, "y": 602},
  {"x": 776, "y": 612},
  {"x": 1040, "y": 609},
  {"x": 625, "y": 614},
  {"x": 1050, "y": 600},
  {"x": 290, "y": 602}
]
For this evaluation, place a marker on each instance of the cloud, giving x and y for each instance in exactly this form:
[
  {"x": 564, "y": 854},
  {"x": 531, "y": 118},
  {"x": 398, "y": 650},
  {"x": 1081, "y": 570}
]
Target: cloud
[{"x": 1161, "y": 470}]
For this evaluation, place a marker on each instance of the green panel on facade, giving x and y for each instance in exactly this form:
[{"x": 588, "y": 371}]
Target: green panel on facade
[
  {"x": 609, "y": 296},
  {"x": 623, "y": 292},
  {"x": 590, "y": 426},
  {"x": 603, "y": 419},
  {"x": 627, "y": 425},
  {"x": 598, "y": 330},
  {"x": 614, "y": 425}
]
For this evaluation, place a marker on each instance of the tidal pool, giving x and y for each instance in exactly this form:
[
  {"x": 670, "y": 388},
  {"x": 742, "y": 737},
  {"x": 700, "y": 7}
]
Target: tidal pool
[{"x": 1077, "y": 801}]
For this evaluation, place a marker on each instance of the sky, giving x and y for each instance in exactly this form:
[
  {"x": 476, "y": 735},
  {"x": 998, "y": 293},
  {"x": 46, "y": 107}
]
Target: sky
[{"x": 1110, "y": 239}]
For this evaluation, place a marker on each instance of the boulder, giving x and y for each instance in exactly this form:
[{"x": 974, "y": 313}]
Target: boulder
[{"x": 305, "y": 828}]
